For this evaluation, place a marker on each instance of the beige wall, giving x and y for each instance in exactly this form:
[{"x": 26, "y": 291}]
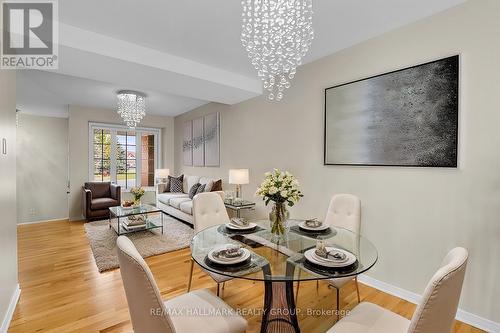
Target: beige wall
[
  {"x": 413, "y": 215},
  {"x": 79, "y": 118},
  {"x": 8, "y": 231},
  {"x": 42, "y": 168}
]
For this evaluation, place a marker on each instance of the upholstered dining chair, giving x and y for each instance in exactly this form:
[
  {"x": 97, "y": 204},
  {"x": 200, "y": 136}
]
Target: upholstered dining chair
[
  {"x": 344, "y": 211},
  {"x": 435, "y": 313},
  {"x": 150, "y": 314},
  {"x": 209, "y": 211}
]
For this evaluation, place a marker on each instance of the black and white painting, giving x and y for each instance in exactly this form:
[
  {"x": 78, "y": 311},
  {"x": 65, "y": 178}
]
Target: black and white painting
[
  {"x": 198, "y": 143},
  {"x": 407, "y": 117},
  {"x": 201, "y": 142},
  {"x": 211, "y": 130},
  {"x": 187, "y": 143}
]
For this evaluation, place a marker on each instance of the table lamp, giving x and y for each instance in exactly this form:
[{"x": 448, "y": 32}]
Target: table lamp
[
  {"x": 238, "y": 177},
  {"x": 161, "y": 175}
]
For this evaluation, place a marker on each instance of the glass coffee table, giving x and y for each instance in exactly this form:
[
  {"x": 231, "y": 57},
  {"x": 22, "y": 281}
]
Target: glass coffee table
[{"x": 129, "y": 220}]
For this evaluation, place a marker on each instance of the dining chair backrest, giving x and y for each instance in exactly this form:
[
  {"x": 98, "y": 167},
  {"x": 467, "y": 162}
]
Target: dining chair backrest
[
  {"x": 209, "y": 210},
  {"x": 344, "y": 211},
  {"x": 437, "y": 310},
  {"x": 147, "y": 311}
]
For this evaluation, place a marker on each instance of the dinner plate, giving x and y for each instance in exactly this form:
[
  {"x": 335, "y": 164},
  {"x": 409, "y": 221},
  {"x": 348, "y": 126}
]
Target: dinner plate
[
  {"x": 323, "y": 227},
  {"x": 228, "y": 261},
  {"x": 233, "y": 226},
  {"x": 315, "y": 259}
]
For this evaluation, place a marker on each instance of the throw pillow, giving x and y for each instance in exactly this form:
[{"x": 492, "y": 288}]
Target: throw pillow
[
  {"x": 217, "y": 186},
  {"x": 193, "y": 190},
  {"x": 200, "y": 189},
  {"x": 209, "y": 185},
  {"x": 175, "y": 183}
]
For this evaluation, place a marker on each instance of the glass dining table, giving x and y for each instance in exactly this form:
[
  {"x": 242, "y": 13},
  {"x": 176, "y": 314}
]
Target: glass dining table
[{"x": 279, "y": 264}]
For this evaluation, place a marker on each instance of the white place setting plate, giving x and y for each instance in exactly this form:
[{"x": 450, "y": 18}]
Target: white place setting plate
[
  {"x": 233, "y": 226},
  {"x": 228, "y": 261},
  {"x": 323, "y": 227},
  {"x": 311, "y": 256}
]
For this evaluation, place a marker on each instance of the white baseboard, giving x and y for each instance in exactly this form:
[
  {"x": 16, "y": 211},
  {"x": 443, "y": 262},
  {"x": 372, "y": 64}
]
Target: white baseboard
[
  {"x": 77, "y": 218},
  {"x": 44, "y": 221},
  {"x": 479, "y": 322},
  {"x": 10, "y": 310},
  {"x": 463, "y": 316}
]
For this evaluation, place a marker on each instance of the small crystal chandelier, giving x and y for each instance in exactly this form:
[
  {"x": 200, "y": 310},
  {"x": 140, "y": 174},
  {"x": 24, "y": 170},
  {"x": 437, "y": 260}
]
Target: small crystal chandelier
[
  {"x": 276, "y": 34},
  {"x": 131, "y": 106}
]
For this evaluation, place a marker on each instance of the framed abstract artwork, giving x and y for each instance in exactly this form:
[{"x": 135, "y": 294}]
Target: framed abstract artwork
[
  {"x": 201, "y": 142},
  {"x": 187, "y": 143},
  {"x": 211, "y": 139},
  {"x": 198, "y": 143},
  {"x": 407, "y": 117}
]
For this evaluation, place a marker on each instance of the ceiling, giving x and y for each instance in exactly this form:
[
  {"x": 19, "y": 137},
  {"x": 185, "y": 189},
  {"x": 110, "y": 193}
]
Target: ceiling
[
  {"x": 184, "y": 53},
  {"x": 50, "y": 94}
]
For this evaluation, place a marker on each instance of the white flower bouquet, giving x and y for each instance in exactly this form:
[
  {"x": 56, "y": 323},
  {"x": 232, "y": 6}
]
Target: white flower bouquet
[
  {"x": 282, "y": 188},
  {"x": 137, "y": 193}
]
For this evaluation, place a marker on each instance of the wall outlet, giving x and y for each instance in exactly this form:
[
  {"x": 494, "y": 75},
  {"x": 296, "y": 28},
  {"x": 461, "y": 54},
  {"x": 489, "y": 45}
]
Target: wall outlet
[{"x": 32, "y": 212}]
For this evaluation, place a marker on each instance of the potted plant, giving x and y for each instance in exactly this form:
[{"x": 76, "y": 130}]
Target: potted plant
[
  {"x": 282, "y": 188},
  {"x": 137, "y": 193}
]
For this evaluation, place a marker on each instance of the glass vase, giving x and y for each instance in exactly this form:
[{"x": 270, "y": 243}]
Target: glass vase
[
  {"x": 137, "y": 201},
  {"x": 278, "y": 217}
]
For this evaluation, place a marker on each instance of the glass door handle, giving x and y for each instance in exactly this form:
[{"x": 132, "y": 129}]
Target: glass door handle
[{"x": 4, "y": 146}]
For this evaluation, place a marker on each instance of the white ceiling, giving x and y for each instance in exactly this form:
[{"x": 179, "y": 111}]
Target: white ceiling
[
  {"x": 184, "y": 53},
  {"x": 50, "y": 94}
]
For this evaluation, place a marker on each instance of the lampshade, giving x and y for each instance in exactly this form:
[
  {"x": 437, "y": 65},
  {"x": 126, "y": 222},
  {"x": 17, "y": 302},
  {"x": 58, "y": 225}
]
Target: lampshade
[
  {"x": 238, "y": 176},
  {"x": 161, "y": 173}
]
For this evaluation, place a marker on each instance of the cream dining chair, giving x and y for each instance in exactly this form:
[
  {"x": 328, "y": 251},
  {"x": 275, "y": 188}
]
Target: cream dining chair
[
  {"x": 209, "y": 211},
  {"x": 192, "y": 312},
  {"x": 344, "y": 211},
  {"x": 435, "y": 313}
]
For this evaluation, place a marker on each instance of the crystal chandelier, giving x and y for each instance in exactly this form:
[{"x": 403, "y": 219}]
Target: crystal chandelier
[
  {"x": 131, "y": 106},
  {"x": 276, "y": 34}
]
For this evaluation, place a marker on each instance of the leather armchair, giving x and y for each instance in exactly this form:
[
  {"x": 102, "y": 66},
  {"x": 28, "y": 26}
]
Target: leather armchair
[{"x": 98, "y": 197}]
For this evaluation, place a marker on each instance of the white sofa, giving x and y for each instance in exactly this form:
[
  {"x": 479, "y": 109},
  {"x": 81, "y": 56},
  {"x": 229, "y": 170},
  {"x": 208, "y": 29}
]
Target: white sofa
[{"x": 180, "y": 205}]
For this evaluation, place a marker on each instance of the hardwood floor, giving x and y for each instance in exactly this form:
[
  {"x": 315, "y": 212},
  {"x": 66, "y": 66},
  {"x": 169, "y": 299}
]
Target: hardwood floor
[{"x": 62, "y": 291}]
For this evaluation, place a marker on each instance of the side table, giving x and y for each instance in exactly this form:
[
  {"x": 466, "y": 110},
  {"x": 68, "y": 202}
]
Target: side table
[{"x": 238, "y": 206}]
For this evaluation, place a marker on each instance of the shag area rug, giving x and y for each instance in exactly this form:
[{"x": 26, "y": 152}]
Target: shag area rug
[{"x": 102, "y": 239}]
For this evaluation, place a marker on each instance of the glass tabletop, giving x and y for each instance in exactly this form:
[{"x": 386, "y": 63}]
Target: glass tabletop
[
  {"x": 239, "y": 204},
  {"x": 119, "y": 211},
  {"x": 284, "y": 261}
]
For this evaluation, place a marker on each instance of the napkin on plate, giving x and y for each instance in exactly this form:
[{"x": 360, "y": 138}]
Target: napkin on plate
[
  {"x": 331, "y": 256},
  {"x": 239, "y": 222},
  {"x": 222, "y": 254},
  {"x": 313, "y": 223}
]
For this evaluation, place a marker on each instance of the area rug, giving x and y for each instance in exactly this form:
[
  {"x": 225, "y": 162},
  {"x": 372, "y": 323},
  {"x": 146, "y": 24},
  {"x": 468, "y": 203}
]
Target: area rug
[{"x": 102, "y": 239}]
